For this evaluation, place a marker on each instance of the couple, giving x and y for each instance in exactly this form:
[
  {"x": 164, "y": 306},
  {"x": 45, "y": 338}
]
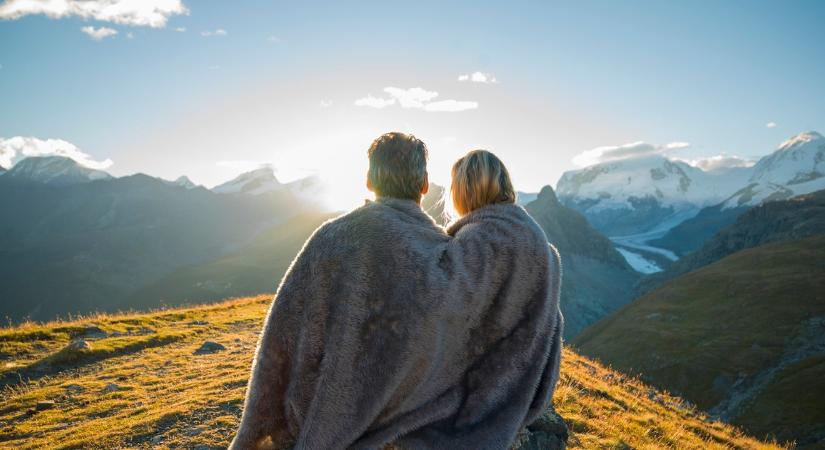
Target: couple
[{"x": 389, "y": 331}]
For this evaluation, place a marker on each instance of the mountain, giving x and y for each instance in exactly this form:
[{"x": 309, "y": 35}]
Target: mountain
[
  {"x": 433, "y": 203},
  {"x": 743, "y": 338},
  {"x": 140, "y": 382},
  {"x": 691, "y": 234},
  {"x": 255, "y": 182},
  {"x": 796, "y": 167},
  {"x": 635, "y": 195},
  {"x": 596, "y": 279},
  {"x": 3, "y": 170},
  {"x": 78, "y": 248},
  {"x": 184, "y": 182},
  {"x": 775, "y": 221},
  {"x": 54, "y": 170}
]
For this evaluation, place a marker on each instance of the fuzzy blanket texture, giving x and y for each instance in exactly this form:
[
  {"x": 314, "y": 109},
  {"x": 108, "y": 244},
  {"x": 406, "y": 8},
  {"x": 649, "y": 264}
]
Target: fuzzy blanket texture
[{"x": 387, "y": 330}]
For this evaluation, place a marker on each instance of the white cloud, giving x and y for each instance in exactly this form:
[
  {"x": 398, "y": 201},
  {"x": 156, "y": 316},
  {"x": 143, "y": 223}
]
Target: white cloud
[
  {"x": 152, "y": 13},
  {"x": 771, "y": 125},
  {"x": 326, "y": 103},
  {"x": 374, "y": 102},
  {"x": 31, "y": 146},
  {"x": 478, "y": 77},
  {"x": 626, "y": 151},
  {"x": 180, "y": 29},
  {"x": 274, "y": 39},
  {"x": 130, "y": 35},
  {"x": 718, "y": 162},
  {"x": 411, "y": 98},
  {"x": 450, "y": 106},
  {"x": 218, "y": 32},
  {"x": 99, "y": 33},
  {"x": 415, "y": 98}
]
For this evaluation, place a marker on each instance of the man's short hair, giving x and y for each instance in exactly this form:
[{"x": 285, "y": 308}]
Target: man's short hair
[{"x": 398, "y": 166}]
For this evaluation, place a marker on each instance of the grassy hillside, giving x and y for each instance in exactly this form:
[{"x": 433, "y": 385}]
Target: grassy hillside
[
  {"x": 142, "y": 384},
  {"x": 743, "y": 338}
]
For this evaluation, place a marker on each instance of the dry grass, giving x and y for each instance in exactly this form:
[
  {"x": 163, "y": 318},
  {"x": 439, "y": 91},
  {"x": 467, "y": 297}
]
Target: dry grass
[{"x": 168, "y": 397}]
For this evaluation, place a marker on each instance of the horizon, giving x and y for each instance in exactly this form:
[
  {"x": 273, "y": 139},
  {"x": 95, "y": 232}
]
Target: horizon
[{"x": 210, "y": 91}]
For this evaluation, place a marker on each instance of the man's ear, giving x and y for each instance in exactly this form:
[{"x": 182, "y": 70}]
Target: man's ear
[{"x": 426, "y": 187}]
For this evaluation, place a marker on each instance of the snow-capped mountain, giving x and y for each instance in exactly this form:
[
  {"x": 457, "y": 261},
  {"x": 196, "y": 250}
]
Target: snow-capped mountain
[
  {"x": 797, "y": 167},
  {"x": 2, "y": 170},
  {"x": 634, "y": 195},
  {"x": 54, "y": 170},
  {"x": 258, "y": 181},
  {"x": 263, "y": 180}
]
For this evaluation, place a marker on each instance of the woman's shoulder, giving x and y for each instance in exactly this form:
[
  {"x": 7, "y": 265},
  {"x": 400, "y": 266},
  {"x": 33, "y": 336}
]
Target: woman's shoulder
[{"x": 500, "y": 219}]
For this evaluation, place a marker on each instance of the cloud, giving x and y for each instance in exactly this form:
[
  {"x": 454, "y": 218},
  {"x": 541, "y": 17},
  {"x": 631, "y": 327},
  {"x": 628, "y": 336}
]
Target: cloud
[
  {"x": 130, "y": 35},
  {"x": 450, "y": 106},
  {"x": 626, "y": 151},
  {"x": 478, "y": 77},
  {"x": 415, "y": 98},
  {"x": 274, "y": 39},
  {"x": 374, "y": 102},
  {"x": 151, "y": 13},
  {"x": 719, "y": 162},
  {"x": 180, "y": 29},
  {"x": 218, "y": 32},
  {"x": 326, "y": 103},
  {"x": 99, "y": 33},
  {"x": 31, "y": 146},
  {"x": 411, "y": 98},
  {"x": 770, "y": 125}
]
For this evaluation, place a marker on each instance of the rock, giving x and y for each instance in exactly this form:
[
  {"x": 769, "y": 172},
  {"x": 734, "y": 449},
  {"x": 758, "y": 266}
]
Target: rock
[
  {"x": 74, "y": 388},
  {"x": 209, "y": 347},
  {"x": 43, "y": 405},
  {"x": 548, "y": 432},
  {"x": 111, "y": 387},
  {"x": 193, "y": 431},
  {"x": 198, "y": 322},
  {"x": 156, "y": 439},
  {"x": 93, "y": 331},
  {"x": 79, "y": 345}
]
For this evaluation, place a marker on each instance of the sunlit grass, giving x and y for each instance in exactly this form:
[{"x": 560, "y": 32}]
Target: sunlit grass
[{"x": 141, "y": 386}]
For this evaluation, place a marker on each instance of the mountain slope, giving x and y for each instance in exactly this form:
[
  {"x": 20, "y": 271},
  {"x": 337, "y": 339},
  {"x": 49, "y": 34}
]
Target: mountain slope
[
  {"x": 596, "y": 279},
  {"x": 54, "y": 170},
  {"x": 143, "y": 384},
  {"x": 255, "y": 268},
  {"x": 82, "y": 247},
  {"x": 743, "y": 337},
  {"x": 774, "y": 221}
]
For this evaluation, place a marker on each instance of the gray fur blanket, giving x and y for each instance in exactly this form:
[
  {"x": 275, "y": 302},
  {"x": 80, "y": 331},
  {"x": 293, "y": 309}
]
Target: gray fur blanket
[{"x": 387, "y": 330}]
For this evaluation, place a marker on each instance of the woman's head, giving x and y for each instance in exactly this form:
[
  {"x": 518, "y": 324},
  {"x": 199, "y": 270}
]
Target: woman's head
[{"x": 480, "y": 179}]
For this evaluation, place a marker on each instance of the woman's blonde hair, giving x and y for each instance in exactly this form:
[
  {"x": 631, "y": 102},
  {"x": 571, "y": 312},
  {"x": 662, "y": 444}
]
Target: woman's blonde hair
[{"x": 480, "y": 179}]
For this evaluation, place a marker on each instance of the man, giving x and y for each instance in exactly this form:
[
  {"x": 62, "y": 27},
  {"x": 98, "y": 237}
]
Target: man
[{"x": 374, "y": 335}]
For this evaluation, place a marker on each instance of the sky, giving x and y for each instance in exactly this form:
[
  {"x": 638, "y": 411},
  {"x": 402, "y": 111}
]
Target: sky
[{"x": 209, "y": 89}]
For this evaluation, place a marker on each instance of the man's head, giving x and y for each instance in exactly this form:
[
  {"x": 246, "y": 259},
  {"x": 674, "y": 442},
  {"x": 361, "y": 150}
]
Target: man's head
[{"x": 398, "y": 167}]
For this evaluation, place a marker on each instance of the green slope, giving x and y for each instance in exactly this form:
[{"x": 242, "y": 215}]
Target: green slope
[
  {"x": 254, "y": 269},
  {"x": 743, "y": 338}
]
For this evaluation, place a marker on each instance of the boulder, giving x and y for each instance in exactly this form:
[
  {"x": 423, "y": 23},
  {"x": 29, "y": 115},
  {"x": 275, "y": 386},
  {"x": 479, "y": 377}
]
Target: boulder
[{"x": 209, "y": 347}]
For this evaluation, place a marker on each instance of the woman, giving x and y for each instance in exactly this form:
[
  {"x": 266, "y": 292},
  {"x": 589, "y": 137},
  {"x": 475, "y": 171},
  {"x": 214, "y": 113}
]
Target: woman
[{"x": 502, "y": 361}]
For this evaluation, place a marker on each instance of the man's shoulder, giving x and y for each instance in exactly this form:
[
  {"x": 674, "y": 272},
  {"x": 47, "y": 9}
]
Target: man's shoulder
[{"x": 378, "y": 216}]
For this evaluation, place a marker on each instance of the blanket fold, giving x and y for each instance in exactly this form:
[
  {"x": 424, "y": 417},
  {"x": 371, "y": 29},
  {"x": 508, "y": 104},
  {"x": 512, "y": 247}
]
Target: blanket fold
[{"x": 386, "y": 330}]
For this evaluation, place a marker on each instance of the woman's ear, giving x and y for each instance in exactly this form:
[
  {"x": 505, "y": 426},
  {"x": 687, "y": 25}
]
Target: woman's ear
[{"x": 369, "y": 184}]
